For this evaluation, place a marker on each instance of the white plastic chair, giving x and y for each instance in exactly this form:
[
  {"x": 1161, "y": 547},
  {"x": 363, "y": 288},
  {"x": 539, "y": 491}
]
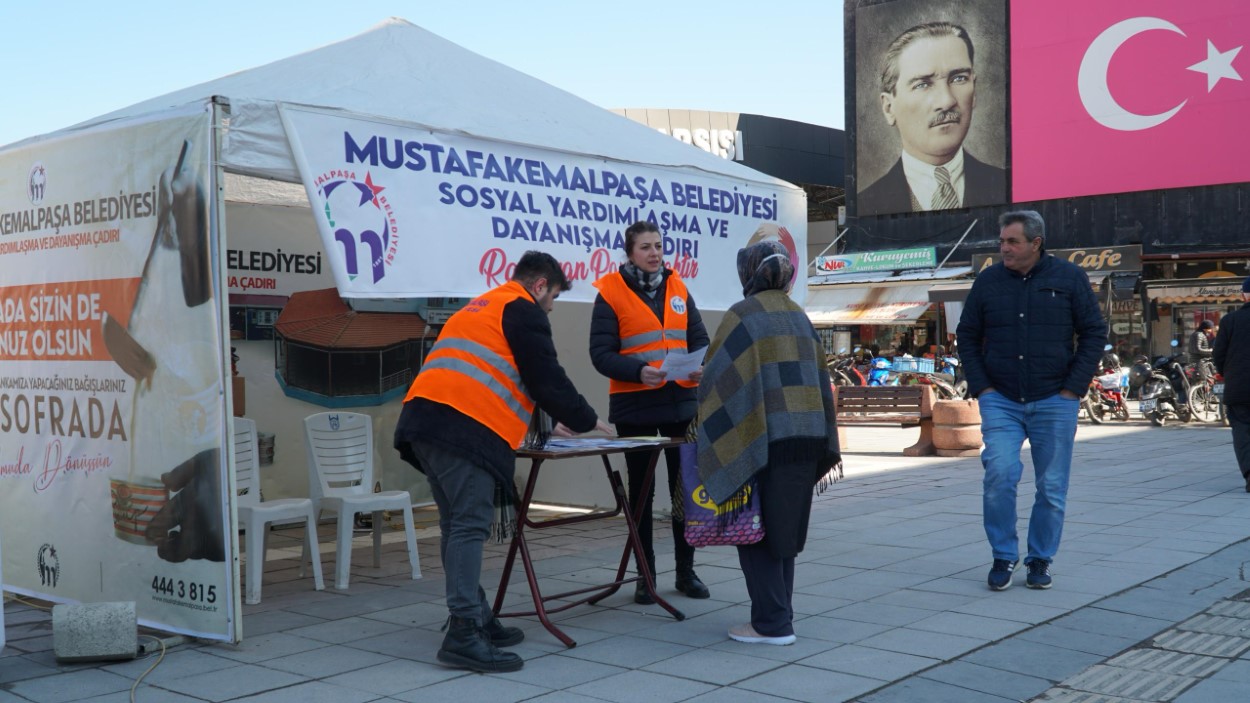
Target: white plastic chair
[
  {"x": 255, "y": 515},
  {"x": 340, "y": 479}
]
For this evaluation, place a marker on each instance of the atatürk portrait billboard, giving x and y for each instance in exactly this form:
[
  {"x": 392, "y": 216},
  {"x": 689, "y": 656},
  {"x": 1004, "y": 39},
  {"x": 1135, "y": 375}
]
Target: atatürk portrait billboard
[{"x": 931, "y": 105}]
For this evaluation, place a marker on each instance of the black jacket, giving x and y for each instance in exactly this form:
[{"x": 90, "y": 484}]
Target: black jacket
[
  {"x": 528, "y": 332},
  {"x": 1232, "y": 355},
  {"x": 983, "y": 185},
  {"x": 1016, "y": 333},
  {"x": 663, "y": 405}
]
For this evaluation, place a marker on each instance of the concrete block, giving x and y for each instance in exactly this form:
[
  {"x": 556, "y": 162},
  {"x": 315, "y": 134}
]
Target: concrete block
[{"x": 95, "y": 631}]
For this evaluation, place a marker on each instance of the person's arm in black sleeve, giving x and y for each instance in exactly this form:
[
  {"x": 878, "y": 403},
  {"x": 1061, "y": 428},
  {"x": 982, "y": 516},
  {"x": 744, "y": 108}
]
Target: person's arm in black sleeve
[
  {"x": 605, "y": 345},
  {"x": 969, "y": 336},
  {"x": 528, "y": 332},
  {"x": 696, "y": 331},
  {"x": 1220, "y": 353},
  {"x": 1091, "y": 336}
]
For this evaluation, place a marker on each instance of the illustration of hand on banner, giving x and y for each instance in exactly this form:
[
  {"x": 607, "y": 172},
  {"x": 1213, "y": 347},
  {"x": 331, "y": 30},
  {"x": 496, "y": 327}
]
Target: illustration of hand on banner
[
  {"x": 171, "y": 495},
  {"x": 189, "y": 525}
]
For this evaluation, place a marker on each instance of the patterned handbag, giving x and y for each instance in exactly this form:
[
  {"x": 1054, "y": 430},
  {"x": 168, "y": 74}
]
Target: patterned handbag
[{"x": 709, "y": 524}]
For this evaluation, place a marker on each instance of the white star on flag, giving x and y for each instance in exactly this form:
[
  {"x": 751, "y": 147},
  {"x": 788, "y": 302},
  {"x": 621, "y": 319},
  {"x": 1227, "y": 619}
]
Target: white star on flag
[{"x": 1217, "y": 65}]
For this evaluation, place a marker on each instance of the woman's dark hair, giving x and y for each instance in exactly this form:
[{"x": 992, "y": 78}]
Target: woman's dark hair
[{"x": 632, "y": 232}]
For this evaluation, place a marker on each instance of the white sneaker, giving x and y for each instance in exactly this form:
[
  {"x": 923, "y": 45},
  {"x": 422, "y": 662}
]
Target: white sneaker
[{"x": 746, "y": 633}]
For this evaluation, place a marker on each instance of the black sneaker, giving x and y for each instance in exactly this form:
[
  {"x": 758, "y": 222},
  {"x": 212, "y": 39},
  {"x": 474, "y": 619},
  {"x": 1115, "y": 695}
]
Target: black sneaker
[
  {"x": 1039, "y": 574},
  {"x": 1000, "y": 574}
]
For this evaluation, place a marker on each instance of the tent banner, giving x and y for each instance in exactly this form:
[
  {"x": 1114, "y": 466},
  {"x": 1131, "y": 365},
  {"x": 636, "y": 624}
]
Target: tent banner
[
  {"x": 113, "y": 422},
  {"x": 408, "y": 212}
]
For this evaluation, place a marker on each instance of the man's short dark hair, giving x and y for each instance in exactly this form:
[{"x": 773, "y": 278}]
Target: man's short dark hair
[
  {"x": 1034, "y": 225},
  {"x": 931, "y": 30},
  {"x": 539, "y": 264}
]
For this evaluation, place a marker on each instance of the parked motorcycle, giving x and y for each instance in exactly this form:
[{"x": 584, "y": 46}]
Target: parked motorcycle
[
  {"x": 843, "y": 370},
  {"x": 955, "y": 370},
  {"x": 1105, "y": 398},
  {"x": 882, "y": 373},
  {"x": 1137, "y": 375},
  {"x": 1165, "y": 394}
]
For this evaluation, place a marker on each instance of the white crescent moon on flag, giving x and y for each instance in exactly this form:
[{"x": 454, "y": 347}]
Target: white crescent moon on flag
[{"x": 1092, "y": 79}]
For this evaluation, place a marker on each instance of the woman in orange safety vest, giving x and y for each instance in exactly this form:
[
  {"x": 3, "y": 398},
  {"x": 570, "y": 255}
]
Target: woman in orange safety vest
[{"x": 642, "y": 312}]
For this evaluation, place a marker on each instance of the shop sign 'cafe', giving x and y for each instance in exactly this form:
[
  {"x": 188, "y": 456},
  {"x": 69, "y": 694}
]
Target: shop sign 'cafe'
[{"x": 1125, "y": 258}]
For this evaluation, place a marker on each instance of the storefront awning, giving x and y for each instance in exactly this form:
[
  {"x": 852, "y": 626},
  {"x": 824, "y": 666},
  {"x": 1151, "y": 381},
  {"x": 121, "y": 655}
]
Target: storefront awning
[
  {"x": 953, "y": 292},
  {"x": 866, "y": 305},
  {"x": 1222, "y": 292}
]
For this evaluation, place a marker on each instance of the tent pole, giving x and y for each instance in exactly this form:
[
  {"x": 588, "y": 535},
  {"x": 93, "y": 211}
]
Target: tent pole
[
  {"x": 217, "y": 249},
  {"x": 835, "y": 241},
  {"x": 961, "y": 241}
]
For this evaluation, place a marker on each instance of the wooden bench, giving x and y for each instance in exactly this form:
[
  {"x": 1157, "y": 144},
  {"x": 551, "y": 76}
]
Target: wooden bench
[{"x": 905, "y": 406}]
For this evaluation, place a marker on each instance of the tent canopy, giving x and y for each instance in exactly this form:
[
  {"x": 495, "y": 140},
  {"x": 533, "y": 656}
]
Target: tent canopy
[{"x": 399, "y": 72}]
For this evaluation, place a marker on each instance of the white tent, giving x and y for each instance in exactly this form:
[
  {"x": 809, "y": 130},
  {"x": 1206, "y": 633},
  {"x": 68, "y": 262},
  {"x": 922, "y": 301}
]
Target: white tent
[{"x": 399, "y": 71}]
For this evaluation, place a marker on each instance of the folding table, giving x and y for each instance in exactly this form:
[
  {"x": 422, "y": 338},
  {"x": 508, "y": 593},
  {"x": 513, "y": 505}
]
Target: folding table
[{"x": 632, "y": 543}]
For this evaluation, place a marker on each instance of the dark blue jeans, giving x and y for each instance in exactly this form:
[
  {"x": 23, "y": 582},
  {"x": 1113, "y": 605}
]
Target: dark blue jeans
[
  {"x": 465, "y": 495},
  {"x": 1050, "y": 426}
]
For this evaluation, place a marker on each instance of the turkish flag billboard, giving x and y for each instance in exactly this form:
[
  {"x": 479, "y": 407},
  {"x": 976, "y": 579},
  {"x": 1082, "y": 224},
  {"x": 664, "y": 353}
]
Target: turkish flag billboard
[{"x": 1127, "y": 95}]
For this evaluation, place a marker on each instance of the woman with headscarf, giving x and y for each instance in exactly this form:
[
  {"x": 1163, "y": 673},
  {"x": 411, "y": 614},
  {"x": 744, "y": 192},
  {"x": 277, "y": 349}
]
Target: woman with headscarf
[
  {"x": 766, "y": 413},
  {"x": 643, "y": 312}
]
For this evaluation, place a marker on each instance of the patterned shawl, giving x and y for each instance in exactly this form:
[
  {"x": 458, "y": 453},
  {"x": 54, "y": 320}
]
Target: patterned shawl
[{"x": 765, "y": 395}]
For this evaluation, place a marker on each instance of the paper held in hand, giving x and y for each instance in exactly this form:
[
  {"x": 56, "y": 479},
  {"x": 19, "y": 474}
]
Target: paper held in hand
[{"x": 678, "y": 366}]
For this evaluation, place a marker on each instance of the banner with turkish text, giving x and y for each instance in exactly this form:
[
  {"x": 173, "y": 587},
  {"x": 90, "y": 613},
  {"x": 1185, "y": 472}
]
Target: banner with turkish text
[
  {"x": 1127, "y": 95},
  {"x": 113, "y": 414},
  {"x": 406, "y": 212}
]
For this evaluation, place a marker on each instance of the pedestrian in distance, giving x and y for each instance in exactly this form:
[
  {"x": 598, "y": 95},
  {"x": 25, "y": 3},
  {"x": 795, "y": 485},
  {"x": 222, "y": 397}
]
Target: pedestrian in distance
[
  {"x": 643, "y": 312},
  {"x": 1231, "y": 355},
  {"x": 1016, "y": 344},
  {"x": 1199, "y": 348},
  {"x": 467, "y": 412}
]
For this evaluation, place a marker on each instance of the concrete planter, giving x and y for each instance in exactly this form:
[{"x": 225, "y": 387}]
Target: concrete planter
[{"x": 957, "y": 428}]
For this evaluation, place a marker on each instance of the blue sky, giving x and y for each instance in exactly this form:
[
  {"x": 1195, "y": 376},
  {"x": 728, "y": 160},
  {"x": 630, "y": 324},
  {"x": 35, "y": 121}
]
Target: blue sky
[{"x": 64, "y": 62}]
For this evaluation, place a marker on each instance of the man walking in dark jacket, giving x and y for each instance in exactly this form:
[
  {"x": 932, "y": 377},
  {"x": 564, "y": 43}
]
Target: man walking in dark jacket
[
  {"x": 1016, "y": 343},
  {"x": 1232, "y": 358}
]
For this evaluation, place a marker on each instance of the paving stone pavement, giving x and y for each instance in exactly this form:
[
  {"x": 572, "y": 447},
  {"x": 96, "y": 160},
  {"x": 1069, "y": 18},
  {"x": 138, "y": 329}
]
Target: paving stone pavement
[{"x": 1150, "y": 603}]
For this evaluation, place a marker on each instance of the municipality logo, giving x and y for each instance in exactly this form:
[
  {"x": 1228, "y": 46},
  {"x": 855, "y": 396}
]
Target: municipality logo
[
  {"x": 36, "y": 183},
  {"x": 49, "y": 566},
  {"x": 362, "y": 220}
]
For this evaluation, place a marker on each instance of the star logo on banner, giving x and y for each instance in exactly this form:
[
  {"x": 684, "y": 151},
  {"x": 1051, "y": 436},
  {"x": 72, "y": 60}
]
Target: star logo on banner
[
  {"x": 368, "y": 191},
  {"x": 1217, "y": 65}
]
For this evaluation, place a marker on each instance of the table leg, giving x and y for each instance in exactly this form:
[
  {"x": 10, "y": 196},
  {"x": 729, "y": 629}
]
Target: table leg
[
  {"x": 518, "y": 537},
  {"x": 633, "y": 543}
]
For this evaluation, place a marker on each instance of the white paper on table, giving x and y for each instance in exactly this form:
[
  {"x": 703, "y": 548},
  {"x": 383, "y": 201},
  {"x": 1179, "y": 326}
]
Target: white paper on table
[{"x": 678, "y": 366}]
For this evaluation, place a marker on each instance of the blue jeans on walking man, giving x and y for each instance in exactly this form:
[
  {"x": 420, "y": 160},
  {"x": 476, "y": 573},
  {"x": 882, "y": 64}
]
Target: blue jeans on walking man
[{"x": 1050, "y": 426}]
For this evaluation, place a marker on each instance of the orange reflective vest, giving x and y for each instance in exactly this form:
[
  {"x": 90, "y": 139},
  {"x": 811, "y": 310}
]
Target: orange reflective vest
[
  {"x": 642, "y": 336},
  {"x": 471, "y": 367}
]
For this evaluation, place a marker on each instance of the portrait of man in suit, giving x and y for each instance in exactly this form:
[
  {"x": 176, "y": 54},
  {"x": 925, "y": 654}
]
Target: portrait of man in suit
[{"x": 928, "y": 94}]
